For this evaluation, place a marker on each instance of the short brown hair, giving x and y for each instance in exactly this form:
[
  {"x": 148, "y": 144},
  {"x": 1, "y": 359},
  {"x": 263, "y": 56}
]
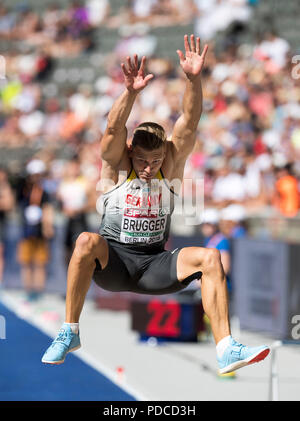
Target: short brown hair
[{"x": 149, "y": 136}]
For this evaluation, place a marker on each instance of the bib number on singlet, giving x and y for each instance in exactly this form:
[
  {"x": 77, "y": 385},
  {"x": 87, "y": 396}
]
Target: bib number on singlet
[
  {"x": 144, "y": 218},
  {"x": 136, "y": 229}
]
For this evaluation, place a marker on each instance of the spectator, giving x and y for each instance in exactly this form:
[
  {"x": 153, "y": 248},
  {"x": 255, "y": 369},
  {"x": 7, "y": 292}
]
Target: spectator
[
  {"x": 44, "y": 65},
  {"x": 286, "y": 195},
  {"x": 71, "y": 124},
  {"x": 217, "y": 15},
  {"x": 213, "y": 236},
  {"x": 98, "y": 11},
  {"x": 74, "y": 195},
  {"x": 7, "y": 21},
  {"x": 233, "y": 226},
  {"x": 31, "y": 124},
  {"x": 229, "y": 187},
  {"x": 78, "y": 19},
  {"x": 50, "y": 21},
  {"x": 53, "y": 119},
  {"x": 37, "y": 224},
  {"x": 7, "y": 202},
  {"x": 135, "y": 38},
  {"x": 232, "y": 221},
  {"x": 272, "y": 50},
  {"x": 141, "y": 11},
  {"x": 27, "y": 23}
]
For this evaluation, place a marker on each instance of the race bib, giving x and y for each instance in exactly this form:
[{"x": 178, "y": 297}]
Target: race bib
[{"x": 143, "y": 220}]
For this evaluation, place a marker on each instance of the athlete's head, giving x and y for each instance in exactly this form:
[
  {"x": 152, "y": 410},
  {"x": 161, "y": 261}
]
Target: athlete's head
[{"x": 148, "y": 150}]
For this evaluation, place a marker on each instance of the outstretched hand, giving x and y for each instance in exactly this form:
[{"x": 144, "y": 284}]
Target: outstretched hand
[
  {"x": 135, "y": 79},
  {"x": 192, "y": 62}
]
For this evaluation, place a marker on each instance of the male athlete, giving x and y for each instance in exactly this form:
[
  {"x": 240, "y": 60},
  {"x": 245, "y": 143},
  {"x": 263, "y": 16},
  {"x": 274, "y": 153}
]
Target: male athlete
[{"x": 128, "y": 254}]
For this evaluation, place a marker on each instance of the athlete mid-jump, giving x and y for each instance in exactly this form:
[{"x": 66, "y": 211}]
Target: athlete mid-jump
[{"x": 129, "y": 252}]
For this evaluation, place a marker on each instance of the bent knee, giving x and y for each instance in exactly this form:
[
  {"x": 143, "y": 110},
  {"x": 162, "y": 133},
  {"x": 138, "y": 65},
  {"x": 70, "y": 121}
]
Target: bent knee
[
  {"x": 87, "y": 244},
  {"x": 211, "y": 258},
  {"x": 84, "y": 240}
]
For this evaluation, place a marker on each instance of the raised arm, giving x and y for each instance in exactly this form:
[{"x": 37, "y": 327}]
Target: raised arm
[
  {"x": 113, "y": 142},
  {"x": 184, "y": 133}
]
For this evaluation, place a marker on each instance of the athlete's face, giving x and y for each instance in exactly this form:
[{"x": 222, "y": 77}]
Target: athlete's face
[{"x": 146, "y": 164}]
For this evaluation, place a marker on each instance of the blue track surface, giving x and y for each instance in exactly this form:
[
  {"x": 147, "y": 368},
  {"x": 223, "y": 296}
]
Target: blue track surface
[{"x": 23, "y": 377}]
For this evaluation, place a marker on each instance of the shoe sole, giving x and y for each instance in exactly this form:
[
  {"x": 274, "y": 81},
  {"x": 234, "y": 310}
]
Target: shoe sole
[
  {"x": 61, "y": 361},
  {"x": 256, "y": 358}
]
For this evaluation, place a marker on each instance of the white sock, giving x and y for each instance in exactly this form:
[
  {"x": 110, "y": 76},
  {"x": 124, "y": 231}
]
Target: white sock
[
  {"x": 74, "y": 327},
  {"x": 222, "y": 345}
]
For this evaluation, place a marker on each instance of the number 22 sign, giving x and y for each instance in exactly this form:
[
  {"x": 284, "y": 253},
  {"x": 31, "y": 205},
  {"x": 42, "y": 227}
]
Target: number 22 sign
[{"x": 164, "y": 318}]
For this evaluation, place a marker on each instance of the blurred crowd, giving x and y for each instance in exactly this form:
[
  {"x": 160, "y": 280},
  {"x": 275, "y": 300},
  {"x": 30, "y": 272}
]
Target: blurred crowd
[{"x": 248, "y": 143}]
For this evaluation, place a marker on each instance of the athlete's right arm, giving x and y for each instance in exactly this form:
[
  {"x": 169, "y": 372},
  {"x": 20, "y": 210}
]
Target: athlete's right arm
[{"x": 113, "y": 142}]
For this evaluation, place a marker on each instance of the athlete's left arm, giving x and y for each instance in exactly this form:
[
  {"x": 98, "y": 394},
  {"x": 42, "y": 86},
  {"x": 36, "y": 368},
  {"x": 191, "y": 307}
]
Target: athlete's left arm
[{"x": 185, "y": 129}]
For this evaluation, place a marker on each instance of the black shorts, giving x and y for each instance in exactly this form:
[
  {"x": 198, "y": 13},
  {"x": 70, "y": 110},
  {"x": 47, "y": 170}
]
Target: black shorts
[{"x": 145, "y": 272}]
